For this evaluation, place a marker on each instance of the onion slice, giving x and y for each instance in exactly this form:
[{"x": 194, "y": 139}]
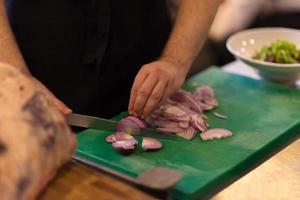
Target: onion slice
[
  {"x": 150, "y": 144},
  {"x": 125, "y": 147},
  {"x": 128, "y": 126},
  {"x": 138, "y": 121},
  {"x": 220, "y": 115},
  {"x": 215, "y": 133},
  {"x": 188, "y": 133},
  {"x": 111, "y": 138},
  {"x": 122, "y": 136}
]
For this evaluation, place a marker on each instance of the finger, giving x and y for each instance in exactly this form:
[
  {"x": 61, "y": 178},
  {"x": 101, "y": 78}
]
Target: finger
[
  {"x": 143, "y": 94},
  {"x": 138, "y": 81},
  {"x": 165, "y": 95},
  {"x": 62, "y": 107},
  {"x": 155, "y": 97},
  {"x": 58, "y": 103}
]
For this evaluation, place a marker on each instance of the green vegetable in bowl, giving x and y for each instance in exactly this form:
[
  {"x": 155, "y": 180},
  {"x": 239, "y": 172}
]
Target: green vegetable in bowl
[{"x": 280, "y": 51}]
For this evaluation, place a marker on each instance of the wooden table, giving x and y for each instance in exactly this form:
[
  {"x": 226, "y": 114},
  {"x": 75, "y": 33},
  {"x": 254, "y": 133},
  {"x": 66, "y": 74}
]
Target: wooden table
[
  {"x": 78, "y": 182},
  {"x": 277, "y": 178}
]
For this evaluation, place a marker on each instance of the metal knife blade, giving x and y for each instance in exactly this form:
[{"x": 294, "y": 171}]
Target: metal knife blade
[{"x": 86, "y": 121}]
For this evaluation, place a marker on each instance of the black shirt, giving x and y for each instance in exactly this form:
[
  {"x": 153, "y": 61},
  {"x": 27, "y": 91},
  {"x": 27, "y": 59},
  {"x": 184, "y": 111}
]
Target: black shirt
[{"x": 87, "y": 52}]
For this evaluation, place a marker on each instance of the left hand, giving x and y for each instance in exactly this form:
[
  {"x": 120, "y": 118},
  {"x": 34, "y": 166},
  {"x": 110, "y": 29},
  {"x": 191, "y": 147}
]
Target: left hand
[{"x": 154, "y": 83}]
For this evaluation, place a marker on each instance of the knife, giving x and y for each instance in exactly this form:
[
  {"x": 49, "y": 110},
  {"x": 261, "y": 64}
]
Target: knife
[
  {"x": 85, "y": 121},
  {"x": 155, "y": 178}
]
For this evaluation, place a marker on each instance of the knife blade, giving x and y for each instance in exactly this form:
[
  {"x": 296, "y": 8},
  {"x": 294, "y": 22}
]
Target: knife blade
[
  {"x": 97, "y": 123},
  {"x": 86, "y": 121}
]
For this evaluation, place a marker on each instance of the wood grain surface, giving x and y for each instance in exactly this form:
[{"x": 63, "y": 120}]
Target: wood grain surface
[
  {"x": 78, "y": 182},
  {"x": 278, "y": 178}
]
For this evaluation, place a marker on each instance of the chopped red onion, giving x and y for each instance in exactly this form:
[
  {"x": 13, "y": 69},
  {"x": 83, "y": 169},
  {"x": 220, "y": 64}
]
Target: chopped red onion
[
  {"x": 184, "y": 124},
  {"x": 150, "y": 144},
  {"x": 128, "y": 126},
  {"x": 125, "y": 147},
  {"x": 188, "y": 133},
  {"x": 198, "y": 123},
  {"x": 171, "y": 111},
  {"x": 169, "y": 129},
  {"x": 187, "y": 98},
  {"x": 139, "y": 122},
  {"x": 167, "y": 123},
  {"x": 220, "y": 115},
  {"x": 206, "y": 95},
  {"x": 122, "y": 136},
  {"x": 215, "y": 133},
  {"x": 111, "y": 138}
]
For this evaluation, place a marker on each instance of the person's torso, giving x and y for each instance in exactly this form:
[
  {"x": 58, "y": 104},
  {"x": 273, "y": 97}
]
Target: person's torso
[{"x": 88, "y": 51}]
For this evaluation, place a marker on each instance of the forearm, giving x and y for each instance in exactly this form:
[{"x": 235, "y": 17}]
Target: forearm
[
  {"x": 9, "y": 51},
  {"x": 190, "y": 30}
]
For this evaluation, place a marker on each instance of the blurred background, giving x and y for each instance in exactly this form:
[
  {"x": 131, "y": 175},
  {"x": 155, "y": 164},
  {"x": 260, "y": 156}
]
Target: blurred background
[{"x": 237, "y": 15}]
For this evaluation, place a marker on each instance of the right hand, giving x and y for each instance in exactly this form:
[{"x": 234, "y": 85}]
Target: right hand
[{"x": 59, "y": 104}]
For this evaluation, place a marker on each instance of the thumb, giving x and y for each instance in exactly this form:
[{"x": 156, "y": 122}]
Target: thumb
[{"x": 61, "y": 106}]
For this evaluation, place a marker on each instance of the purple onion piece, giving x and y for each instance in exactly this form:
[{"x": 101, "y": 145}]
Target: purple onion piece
[
  {"x": 150, "y": 144},
  {"x": 139, "y": 122},
  {"x": 198, "y": 123},
  {"x": 176, "y": 118},
  {"x": 215, "y": 133},
  {"x": 188, "y": 99},
  {"x": 111, "y": 138},
  {"x": 166, "y": 123},
  {"x": 183, "y": 124},
  {"x": 185, "y": 108},
  {"x": 188, "y": 133},
  {"x": 169, "y": 129},
  {"x": 152, "y": 119},
  {"x": 125, "y": 147},
  {"x": 128, "y": 126},
  {"x": 171, "y": 111},
  {"x": 123, "y": 136},
  {"x": 211, "y": 103},
  {"x": 220, "y": 115},
  {"x": 203, "y": 92}
]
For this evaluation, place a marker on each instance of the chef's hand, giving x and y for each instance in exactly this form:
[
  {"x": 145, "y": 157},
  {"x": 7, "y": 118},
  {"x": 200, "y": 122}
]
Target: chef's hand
[
  {"x": 154, "y": 83},
  {"x": 58, "y": 104}
]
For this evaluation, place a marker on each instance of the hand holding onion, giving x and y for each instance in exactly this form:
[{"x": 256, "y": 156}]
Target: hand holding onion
[{"x": 154, "y": 83}]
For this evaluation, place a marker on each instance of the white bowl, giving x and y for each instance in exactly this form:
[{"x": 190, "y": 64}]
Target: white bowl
[{"x": 244, "y": 45}]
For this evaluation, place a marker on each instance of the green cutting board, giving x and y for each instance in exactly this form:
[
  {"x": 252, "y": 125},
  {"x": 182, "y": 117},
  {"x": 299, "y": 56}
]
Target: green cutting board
[{"x": 264, "y": 117}]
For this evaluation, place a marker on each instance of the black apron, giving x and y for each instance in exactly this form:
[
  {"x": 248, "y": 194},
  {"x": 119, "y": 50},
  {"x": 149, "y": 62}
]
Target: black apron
[{"x": 87, "y": 52}]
